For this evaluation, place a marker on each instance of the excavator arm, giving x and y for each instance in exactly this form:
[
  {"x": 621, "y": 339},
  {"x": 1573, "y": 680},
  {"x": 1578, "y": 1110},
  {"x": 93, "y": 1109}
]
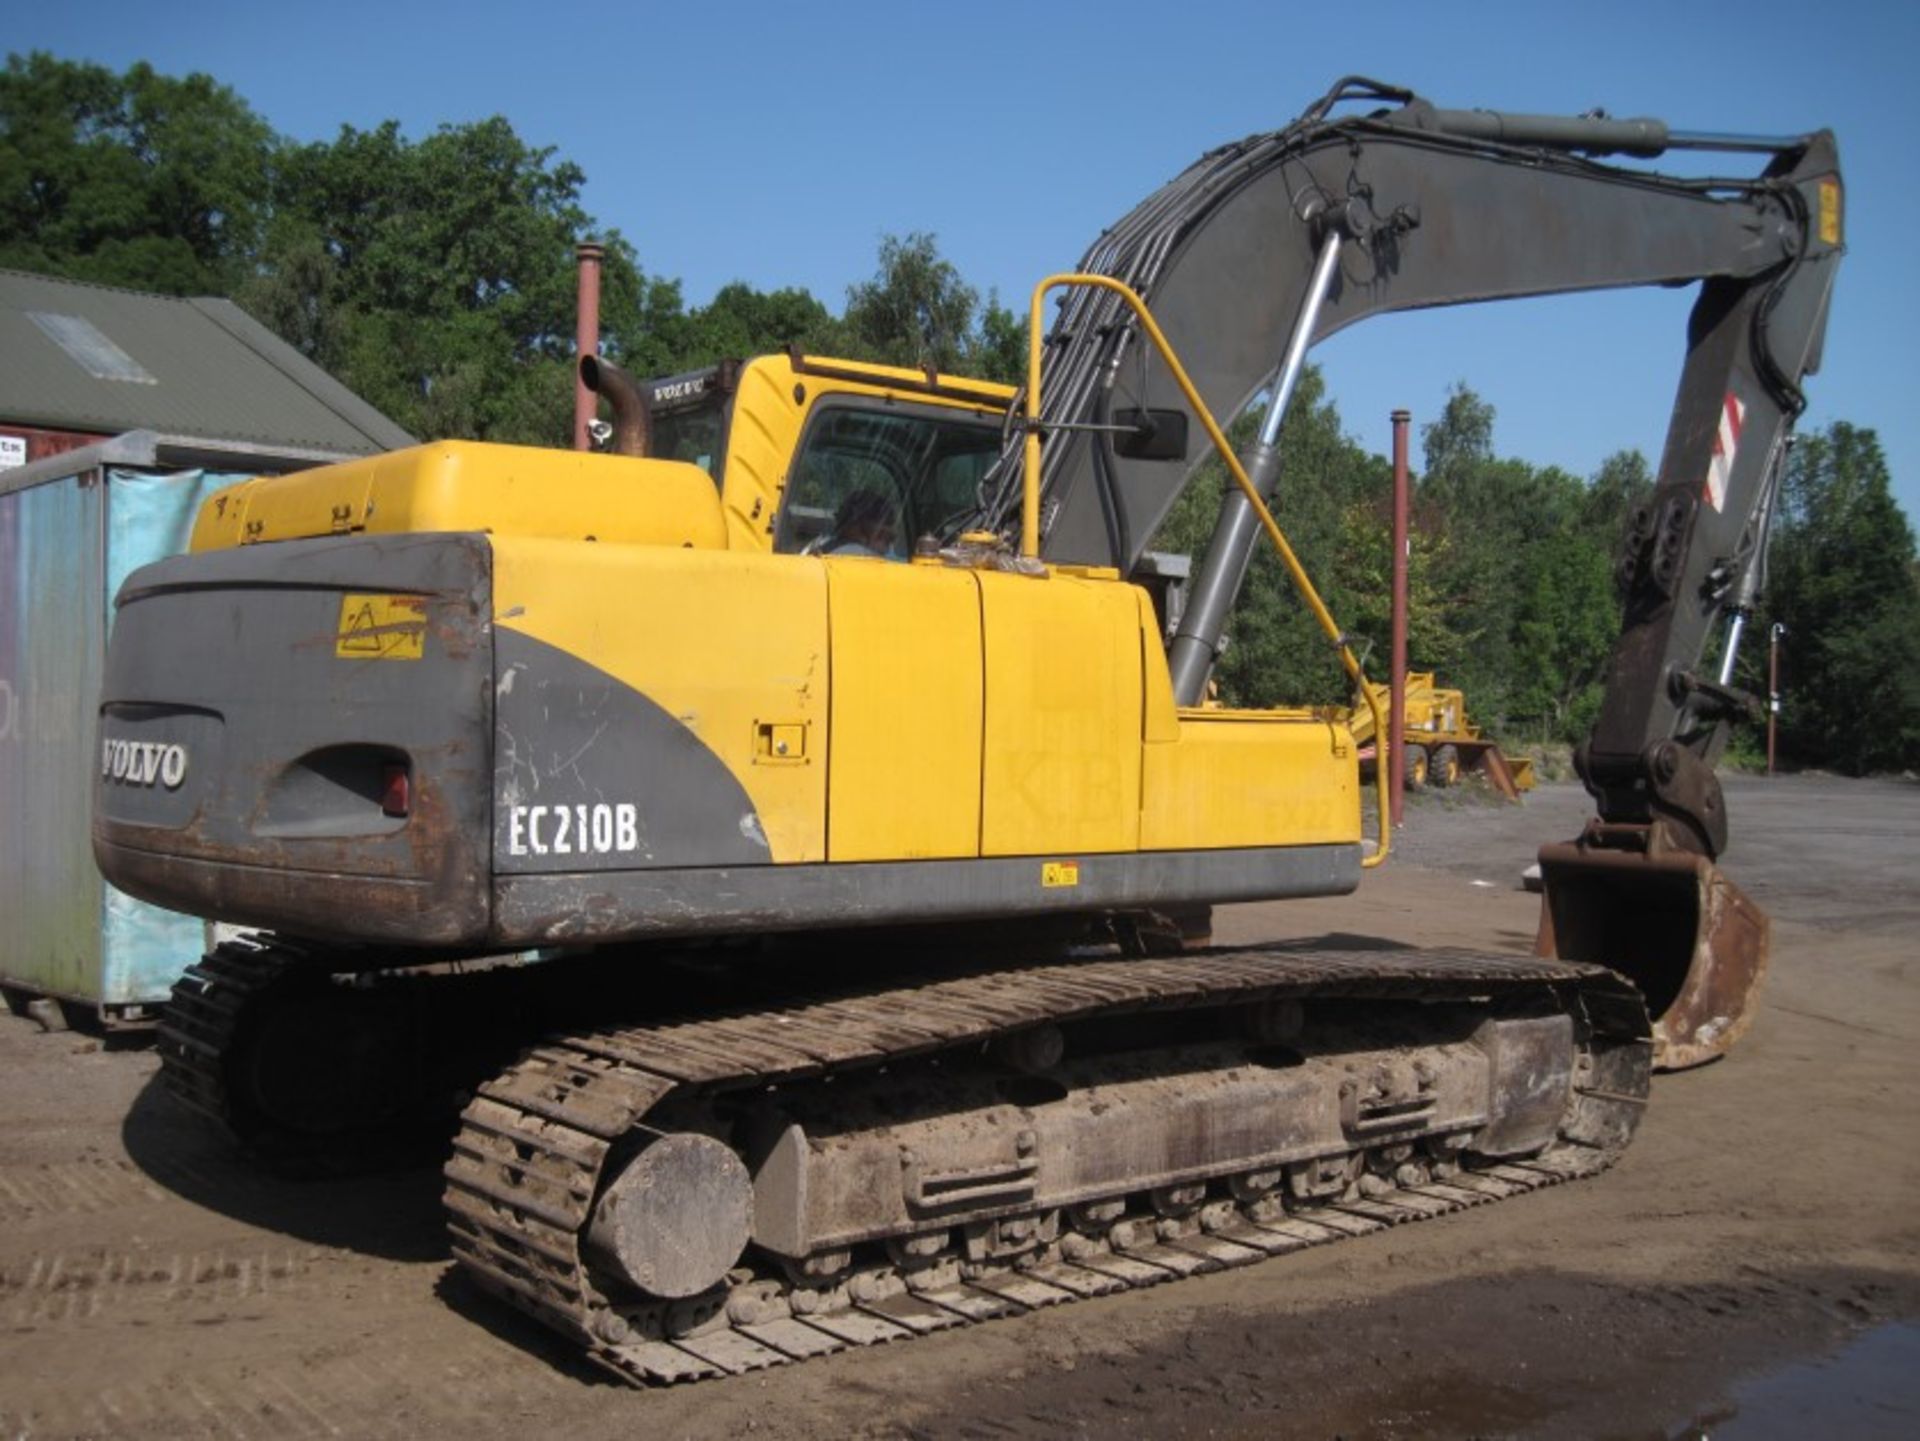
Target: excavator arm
[{"x": 1263, "y": 247}]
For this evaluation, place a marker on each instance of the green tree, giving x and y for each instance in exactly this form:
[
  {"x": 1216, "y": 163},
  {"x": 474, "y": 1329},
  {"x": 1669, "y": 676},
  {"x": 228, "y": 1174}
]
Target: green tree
[
  {"x": 1524, "y": 579},
  {"x": 1000, "y": 344},
  {"x": 1458, "y": 503},
  {"x": 1622, "y": 482},
  {"x": 1367, "y": 590},
  {"x": 740, "y": 321},
  {"x": 1842, "y": 582},
  {"x": 437, "y": 277},
  {"x": 916, "y": 311},
  {"x": 1563, "y": 631},
  {"x": 138, "y": 179}
]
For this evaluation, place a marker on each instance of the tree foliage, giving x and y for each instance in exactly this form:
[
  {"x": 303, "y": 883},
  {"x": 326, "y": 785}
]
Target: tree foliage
[
  {"x": 917, "y": 311},
  {"x": 136, "y": 179},
  {"x": 437, "y": 277},
  {"x": 1842, "y": 583},
  {"x": 1328, "y": 501}
]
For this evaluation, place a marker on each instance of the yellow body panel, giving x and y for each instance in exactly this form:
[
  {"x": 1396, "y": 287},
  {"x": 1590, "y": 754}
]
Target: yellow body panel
[
  {"x": 1159, "y": 717},
  {"x": 734, "y": 647},
  {"x": 761, "y": 443},
  {"x": 871, "y": 710},
  {"x": 877, "y": 711},
  {"x": 466, "y": 486},
  {"x": 1250, "y": 778},
  {"x": 1061, "y": 770},
  {"x": 904, "y": 778}
]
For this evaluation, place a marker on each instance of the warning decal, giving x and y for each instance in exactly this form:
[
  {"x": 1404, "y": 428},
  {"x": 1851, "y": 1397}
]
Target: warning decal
[
  {"x": 1059, "y": 873},
  {"x": 1725, "y": 443},
  {"x": 381, "y": 627}
]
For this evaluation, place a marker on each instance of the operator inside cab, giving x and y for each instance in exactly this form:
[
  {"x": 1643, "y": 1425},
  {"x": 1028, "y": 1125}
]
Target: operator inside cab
[{"x": 863, "y": 525}]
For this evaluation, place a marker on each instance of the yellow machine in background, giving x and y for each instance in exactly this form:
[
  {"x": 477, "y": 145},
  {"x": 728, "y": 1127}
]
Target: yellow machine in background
[{"x": 1442, "y": 745}]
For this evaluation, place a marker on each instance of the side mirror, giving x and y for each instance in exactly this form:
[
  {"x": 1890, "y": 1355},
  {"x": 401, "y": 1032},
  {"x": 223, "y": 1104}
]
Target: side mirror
[{"x": 1151, "y": 434}]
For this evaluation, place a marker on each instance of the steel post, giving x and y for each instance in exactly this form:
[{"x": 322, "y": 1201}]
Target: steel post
[
  {"x": 1773, "y": 687},
  {"x": 1396, "y": 738}
]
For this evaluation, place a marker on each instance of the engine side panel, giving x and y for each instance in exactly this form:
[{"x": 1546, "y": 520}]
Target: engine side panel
[
  {"x": 1064, "y": 709},
  {"x": 908, "y": 692},
  {"x": 611, "y": 742},
  {"x": 730, "y": 649}
]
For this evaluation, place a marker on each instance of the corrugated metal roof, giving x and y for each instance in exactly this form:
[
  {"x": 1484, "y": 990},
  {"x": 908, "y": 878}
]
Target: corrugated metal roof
[{"x": 198, "y": 367}]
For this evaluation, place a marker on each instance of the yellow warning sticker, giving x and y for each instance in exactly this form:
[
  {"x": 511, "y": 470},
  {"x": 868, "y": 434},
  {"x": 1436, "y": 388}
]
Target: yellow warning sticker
[
  {"x": 1830, "y": 212},
  {"x": 381, "y": 627},
  {"x": 1059, "y": 873}
]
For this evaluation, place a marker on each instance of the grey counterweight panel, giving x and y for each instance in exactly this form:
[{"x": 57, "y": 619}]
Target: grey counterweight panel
[
  {"x": 626, "y": 905},
  {"x": 250, "y": 737},
  {"x": 589, "y": 774}
]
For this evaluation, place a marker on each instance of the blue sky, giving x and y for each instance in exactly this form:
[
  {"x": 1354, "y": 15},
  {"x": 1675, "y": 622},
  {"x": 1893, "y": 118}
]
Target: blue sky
[{"x": 776, "y": 143}]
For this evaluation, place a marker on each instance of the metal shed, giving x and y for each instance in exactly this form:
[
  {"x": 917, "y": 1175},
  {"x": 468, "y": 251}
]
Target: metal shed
[{"x": 92, "y": 359}]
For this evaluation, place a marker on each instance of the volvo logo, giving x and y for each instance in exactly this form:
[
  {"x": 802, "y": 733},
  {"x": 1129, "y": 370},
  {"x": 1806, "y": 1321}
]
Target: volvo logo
[{"x": 143, "y": 763}]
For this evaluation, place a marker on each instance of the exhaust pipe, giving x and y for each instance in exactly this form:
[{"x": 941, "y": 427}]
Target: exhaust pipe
[
  {"x": 632, "y": 420},
  {"x": 586, "y": 335}
]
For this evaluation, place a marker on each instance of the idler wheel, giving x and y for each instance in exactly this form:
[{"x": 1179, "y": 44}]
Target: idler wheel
[{"x": 675, "y": 1221}]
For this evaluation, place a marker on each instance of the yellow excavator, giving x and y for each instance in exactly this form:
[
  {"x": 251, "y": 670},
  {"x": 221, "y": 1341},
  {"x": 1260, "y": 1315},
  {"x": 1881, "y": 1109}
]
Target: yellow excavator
[{"x": 806, "y": 816}]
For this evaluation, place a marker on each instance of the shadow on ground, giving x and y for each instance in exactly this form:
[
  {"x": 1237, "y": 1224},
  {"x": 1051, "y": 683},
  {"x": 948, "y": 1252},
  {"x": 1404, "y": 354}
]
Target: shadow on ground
[{"x": 393, "y": 1213}]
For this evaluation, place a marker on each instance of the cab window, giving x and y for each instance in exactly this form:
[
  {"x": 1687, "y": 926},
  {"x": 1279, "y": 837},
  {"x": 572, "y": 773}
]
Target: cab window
[
  {"x": 898, "y": 470},
  {"x": 693, "y": 433}
]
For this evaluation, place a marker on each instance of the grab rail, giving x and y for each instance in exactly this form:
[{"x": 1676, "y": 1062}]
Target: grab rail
[{"x": 1030, "y": 500}]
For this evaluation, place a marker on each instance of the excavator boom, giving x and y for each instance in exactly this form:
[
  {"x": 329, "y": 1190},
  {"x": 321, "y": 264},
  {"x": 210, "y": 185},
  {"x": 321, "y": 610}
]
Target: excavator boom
[{"x": 1265, "y": 246}]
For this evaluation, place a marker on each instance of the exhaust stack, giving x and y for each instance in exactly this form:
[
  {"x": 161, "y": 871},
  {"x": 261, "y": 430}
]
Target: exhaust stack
[
  {"x": 632, "y": 421},
  {"x": 586, "y": 341}
]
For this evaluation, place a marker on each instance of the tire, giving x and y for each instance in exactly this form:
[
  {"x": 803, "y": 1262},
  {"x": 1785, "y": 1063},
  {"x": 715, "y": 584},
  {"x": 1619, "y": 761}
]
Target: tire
[
  {"x": 1444, "y": 768},
  {"x": 1414, "y": 768}
]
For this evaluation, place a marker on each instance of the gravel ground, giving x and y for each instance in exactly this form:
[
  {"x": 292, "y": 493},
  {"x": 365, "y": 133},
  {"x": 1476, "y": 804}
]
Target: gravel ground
[{"x": 152, "y": 1285}]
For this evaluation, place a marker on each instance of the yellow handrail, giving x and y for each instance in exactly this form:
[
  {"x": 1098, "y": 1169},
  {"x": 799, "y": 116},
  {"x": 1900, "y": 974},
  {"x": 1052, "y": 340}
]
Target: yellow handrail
[{"x": 1030, "y": 503}]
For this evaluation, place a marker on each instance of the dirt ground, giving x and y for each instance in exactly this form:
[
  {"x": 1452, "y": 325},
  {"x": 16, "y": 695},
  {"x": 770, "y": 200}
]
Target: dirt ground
[{"x": 152, "y": 1285}]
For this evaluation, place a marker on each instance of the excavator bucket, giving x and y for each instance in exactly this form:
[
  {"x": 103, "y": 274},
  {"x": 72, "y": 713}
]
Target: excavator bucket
[{"x": 1673, "y": 924}]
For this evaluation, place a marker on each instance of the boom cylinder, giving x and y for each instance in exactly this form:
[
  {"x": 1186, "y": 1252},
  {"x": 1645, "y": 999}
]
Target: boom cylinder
[{"x": 1197, "y": 642}]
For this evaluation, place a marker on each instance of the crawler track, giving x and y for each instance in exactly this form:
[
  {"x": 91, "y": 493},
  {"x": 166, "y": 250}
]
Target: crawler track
[
  {"x": 312, "y": 1066},
  {"x": 206, "y": 1016},
  {"x": 534, "y": 1147}
]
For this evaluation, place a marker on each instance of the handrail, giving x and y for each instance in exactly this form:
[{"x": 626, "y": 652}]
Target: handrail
[{"x": 1030, "y": 501}]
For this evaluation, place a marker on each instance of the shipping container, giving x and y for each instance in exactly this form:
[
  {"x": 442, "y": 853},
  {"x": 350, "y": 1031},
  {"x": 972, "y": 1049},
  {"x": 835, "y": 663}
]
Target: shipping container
[{"x": 72, "y": 527}]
